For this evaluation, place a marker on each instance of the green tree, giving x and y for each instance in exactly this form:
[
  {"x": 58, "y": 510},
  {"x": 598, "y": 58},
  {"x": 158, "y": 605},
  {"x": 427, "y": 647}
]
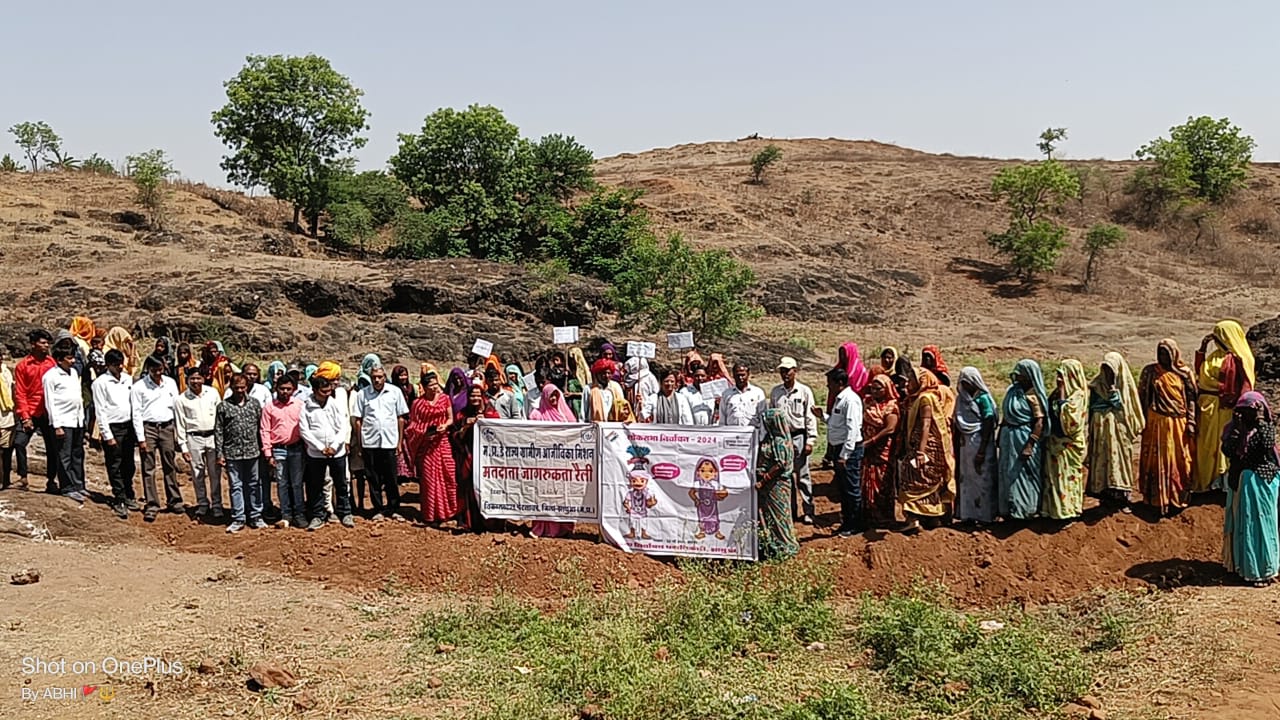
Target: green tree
[
  {"x": 561, "y": 167},
  {"x": 1099, "y": 240},
  {"x": 288, "y": 122},
  {"x": 381, "y": 194},
  {"x": 470, "y": 170},
  {"x": 599, "y": 230},
  {"x": 762, "y": 160},
  {"x": 97, "y": 165},
  {"x": 7, "y": 164},
  {"x": 58, "y": 161},
  {"x": 1049, "y": 141},
  {"x": 670, "y": 285},
  {"x": 1032, "y": 242},
  {"x": 150, "y": 172},
  {"x": 37, "y": 140},
  {"x": 1203, "y": 158},
  {"x": 352, "y": 224}
]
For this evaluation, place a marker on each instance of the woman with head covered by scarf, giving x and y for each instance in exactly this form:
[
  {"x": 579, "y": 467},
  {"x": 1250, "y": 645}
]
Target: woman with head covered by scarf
[
  {"x": 552, "y": 408},
  {"x": 1167, "y": 393},
  {"x": 427, "y": 435},
  {"x": 1063, "y": 494},
  {"x": 931, "y": 360},
  {"x": 1115, "y": 424},
  {"x": 926, "y": 476},
  {"x": 119, "y": 339},
  {"x": 775, "y": 466},
  {"x": 1250, "y": 541},
  {"x": 641, "y": 384},
  {"x": 976, "y": 469},
  {"x": 515, "y": 383},
  {"x": 461, "y": 434},
  {"x": 578, "y": 383},
  {"x": 1223, "y": 375},
  {"x": 275, "y": 369},
  {"x": 1023, "y": 426}
]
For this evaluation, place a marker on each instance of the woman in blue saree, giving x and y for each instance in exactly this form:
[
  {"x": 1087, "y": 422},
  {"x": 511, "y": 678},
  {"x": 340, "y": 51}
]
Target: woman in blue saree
[
  {"x": 1021, "y": 448},
  {"x": 1250, "y": 541}
]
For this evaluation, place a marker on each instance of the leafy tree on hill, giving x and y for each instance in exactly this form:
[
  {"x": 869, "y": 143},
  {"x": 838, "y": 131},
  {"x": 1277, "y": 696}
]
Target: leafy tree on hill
[
  {"x": 150, "y": 171},
  {"x": 1033, "y": 243},
  {"x": 7, "y": 164},
  {"x": 1049, "y": 139},
  {"x": 1101, "y": 238},
  {"x": 595, "y": 235},
  {"x": 37, "y": 140},
  {"x": 353, "y": 224},
  {"x": 1202, "y": 158},
  {"x": 673, "y": 286},
  {"x": 289, "y": 122},
  {"x": 762, "y": 161},
  {"x": 383, "y": 196},
  {"x": 97, "y": 165}
]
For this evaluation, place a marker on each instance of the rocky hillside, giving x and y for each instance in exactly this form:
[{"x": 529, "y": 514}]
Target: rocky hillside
[{"x": 850, "y": 239}]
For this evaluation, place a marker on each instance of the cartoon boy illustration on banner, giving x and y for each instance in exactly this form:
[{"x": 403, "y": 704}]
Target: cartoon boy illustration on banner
[{"x": 637, "y": 503}]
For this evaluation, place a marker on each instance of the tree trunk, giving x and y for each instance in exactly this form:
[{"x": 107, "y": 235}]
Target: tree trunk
[
  {"x": 1088, "y": 271},
  {"x": 297, "y": 216}
]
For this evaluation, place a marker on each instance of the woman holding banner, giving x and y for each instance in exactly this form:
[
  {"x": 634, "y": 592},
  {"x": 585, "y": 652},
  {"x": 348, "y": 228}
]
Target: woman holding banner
[
  {"x": 426, "y": 433},
  {"x": 460, "y": 436},
  {"x": 552, "y": 408},
  {"x": 774, "y": 469}
]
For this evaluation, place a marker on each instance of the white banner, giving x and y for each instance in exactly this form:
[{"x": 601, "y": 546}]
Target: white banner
[
  {"x": 675, "y": 490},
  {"x": 528, "y": 470}
]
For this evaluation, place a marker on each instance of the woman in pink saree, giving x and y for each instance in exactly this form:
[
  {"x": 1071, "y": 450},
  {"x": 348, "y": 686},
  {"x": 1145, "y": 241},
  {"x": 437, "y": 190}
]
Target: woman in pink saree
[{"x": 552, "y": 408}]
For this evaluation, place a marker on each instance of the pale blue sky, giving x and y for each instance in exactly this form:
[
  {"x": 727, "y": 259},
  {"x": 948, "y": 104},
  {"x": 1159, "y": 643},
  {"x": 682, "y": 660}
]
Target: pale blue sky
[{"x": 979, "y": 78}]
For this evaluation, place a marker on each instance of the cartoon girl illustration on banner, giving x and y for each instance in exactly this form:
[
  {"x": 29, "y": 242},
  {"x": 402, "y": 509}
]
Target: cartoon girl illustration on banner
[
  {"x": 636, "y": 503},
  {"x": 706, "y": 495}
]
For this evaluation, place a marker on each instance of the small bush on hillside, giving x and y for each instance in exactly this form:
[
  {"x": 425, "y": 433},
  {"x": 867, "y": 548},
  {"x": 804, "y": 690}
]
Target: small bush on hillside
[
  {"x": 7, "y": 164},
  {"x": 671, "y": 286},
  {"x": 415, "y": 235},
  {"x": 762, "y": 161},
  {"x": 1049, "y": 141},
  {"x": 381, "y": 195},
  {"x": 97, "y": 165},
  {"x": 1100, "y": 239},
  {"x": 1033, "y": 243},
  {"x": 351, "y": 225},
  {"x": 150, "y": 173}
]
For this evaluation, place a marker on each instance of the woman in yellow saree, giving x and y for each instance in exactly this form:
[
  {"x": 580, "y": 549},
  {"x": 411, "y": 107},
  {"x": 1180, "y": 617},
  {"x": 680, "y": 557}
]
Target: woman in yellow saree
[
  {"x": 926, "y": 472},
  {"x": 1115, "y": 424},
  {"x": 1063, "y": 496},
  {"x": 1223, "y": 375}
]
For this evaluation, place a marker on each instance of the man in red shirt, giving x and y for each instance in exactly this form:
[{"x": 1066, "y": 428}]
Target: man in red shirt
[{"x": 28, "y": 407}]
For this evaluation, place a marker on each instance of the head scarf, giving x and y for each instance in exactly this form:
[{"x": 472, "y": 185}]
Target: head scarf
[
  {"x": 407, "y": 388},
  {"x": 609, "y": 346},
  {"x": 853, "y": 366},
  {"x": 718, "y": 368},
  {"x": 636, "y": 368},
  {"x": 457, "y": 387},
  {"x": 968, "y": 414},
  {"x": 775, "y": 445},
  {"x": 603, "y": 365},
  {"x": 515, "y": 381},
  {"x": 1126, "y": 388},
  {"x": 274, "y": 371},
  {"x": 308, "y": 371},
  {"x": 328, "y": 370},
  {"x": 1030, "y": 369},
  {"x": 939, "y": 364},
  {"x": 581, "y": 370},
  {"x": 1268, "y": 464},
  {"x": 893, "y": 364},
  {"x": 368, "y": 364},
  {"x": 82, "y": 328},
  {"x": 690, "y": 358},
  {"x": 119, "y": 339},
  {"x": 883, "y": 380},
  {"x": 552, "y": 412},
  {"x": 1231, "y": 336},
  {"x": 929, "y": 386}
]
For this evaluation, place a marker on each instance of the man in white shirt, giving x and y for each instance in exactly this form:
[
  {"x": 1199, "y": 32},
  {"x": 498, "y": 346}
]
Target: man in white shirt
[
  {"x": 667, "y": 406},
  {"x": 844, "y": 435},
  {"x": 153, "y": 398},
  {"x": 703, "y": 409},
  {"x": 379, "y": 414},
  {"x": 64, "y": 403},
  {"x": 743, "y": 404},
  {"x": 325, "y": 427},
  {"x": 195, "y": 412},
  {"x": 795, "y": 400},
  {"x": 115, "y": 422}
]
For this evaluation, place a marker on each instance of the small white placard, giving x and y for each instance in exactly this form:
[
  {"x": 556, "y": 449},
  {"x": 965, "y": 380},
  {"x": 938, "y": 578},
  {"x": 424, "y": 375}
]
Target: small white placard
[
  {"x": 565, "y": 335},
  {"x": 641, "y": 349},
  {"x": 680, "y": 341},
  {"x": 529, "y": 382},
  {"x": 711, "y": 391},
  {"x": 483, "y": 348}
]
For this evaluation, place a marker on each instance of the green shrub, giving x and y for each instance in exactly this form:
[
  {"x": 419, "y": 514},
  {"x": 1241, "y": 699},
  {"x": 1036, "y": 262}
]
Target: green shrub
[
  {"x": 762, "y": 160},
  {"x": 150, "y": 172},
  {"x": 1100, "y": 239},
  {"x": 8, "y": 164},
  {"x": 1033, "y": 243},
  {"x": 97, "y": 165}
]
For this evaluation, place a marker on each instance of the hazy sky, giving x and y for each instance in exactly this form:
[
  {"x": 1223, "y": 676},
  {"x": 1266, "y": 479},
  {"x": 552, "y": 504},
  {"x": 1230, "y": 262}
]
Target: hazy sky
[{"x": 981, "y": 78}]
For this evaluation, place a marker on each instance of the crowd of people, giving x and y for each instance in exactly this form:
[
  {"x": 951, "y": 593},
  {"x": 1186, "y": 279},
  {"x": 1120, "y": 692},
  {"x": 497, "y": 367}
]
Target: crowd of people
[{"x": 911, "y": 446}]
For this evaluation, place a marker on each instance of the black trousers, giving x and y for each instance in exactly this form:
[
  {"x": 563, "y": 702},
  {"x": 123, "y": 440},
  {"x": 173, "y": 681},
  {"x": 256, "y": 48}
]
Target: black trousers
[
  {"x": 67, "y": 455},
  {"x": 120, "y": 463},
  {"x": 22, "y": 437},
  {"x": 313, "y": 470},
  {"x": 380, "y": 467}
]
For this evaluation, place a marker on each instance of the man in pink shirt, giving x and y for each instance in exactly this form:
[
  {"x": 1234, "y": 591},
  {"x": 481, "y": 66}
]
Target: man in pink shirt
[{"x": 282, "y": 446}]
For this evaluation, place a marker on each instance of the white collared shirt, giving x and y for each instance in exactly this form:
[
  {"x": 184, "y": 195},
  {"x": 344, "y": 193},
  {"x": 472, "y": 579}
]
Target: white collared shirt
[
  {"x": 326, "y": 427},
  {"x": 379, "y": 414},
  {"x": 844, "y": 424},
  {"x": 62, "y": 398},
  {"x": 743, "y": 408},
  {"x": 111, "y": 402},
  {"x": 703, "y": 411},
  {"x": 797, "y": 405},
  {"x": 195, "y": 413},
  {"x": 152, "y": 403}
]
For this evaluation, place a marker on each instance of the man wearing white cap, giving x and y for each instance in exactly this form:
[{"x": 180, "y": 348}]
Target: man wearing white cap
[{"x": 795, "y": 400}]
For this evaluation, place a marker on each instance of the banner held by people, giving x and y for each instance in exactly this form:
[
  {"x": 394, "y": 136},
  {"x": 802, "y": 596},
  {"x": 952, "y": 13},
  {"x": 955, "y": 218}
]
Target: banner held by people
[
  {"x": 676, "y": 490},
  {"x": 536, "y": 470}
]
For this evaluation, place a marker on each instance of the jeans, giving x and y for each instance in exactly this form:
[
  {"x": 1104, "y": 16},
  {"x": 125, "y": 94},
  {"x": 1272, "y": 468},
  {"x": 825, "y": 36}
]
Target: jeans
[
  {"x": 22, "y": 437},
  {"x": 803, "y": 486},
  {"x": 159, "y": 439},
  {"x": 120, "y": 463},
  {"x": 849, "y": 477},
  {"x": 246, "y": 491},
  {"x": 205, "y": 471},
  {"x": 380, "y": 466},
  {"x": 67, "y": 455},
  {"x": 314, "y": 479},
  {"x": 288, "y": 473}
]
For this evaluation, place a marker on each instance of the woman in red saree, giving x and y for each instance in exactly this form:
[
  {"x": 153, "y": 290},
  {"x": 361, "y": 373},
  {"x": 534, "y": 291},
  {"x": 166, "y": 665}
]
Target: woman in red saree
[
  {"x": 552, "y": 408},
  {"x": 427, "y": 435},
  {"x": 880, "y": 414},
  {"x": 461, "y": 434}
]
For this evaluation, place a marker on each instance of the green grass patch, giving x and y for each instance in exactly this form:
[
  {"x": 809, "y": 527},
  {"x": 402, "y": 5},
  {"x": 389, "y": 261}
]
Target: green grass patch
[{"x": 767, "y": 641}]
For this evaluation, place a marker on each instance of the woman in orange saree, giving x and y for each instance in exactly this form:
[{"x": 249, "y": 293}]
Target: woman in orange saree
[{"x": 1167, "y": 393}]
